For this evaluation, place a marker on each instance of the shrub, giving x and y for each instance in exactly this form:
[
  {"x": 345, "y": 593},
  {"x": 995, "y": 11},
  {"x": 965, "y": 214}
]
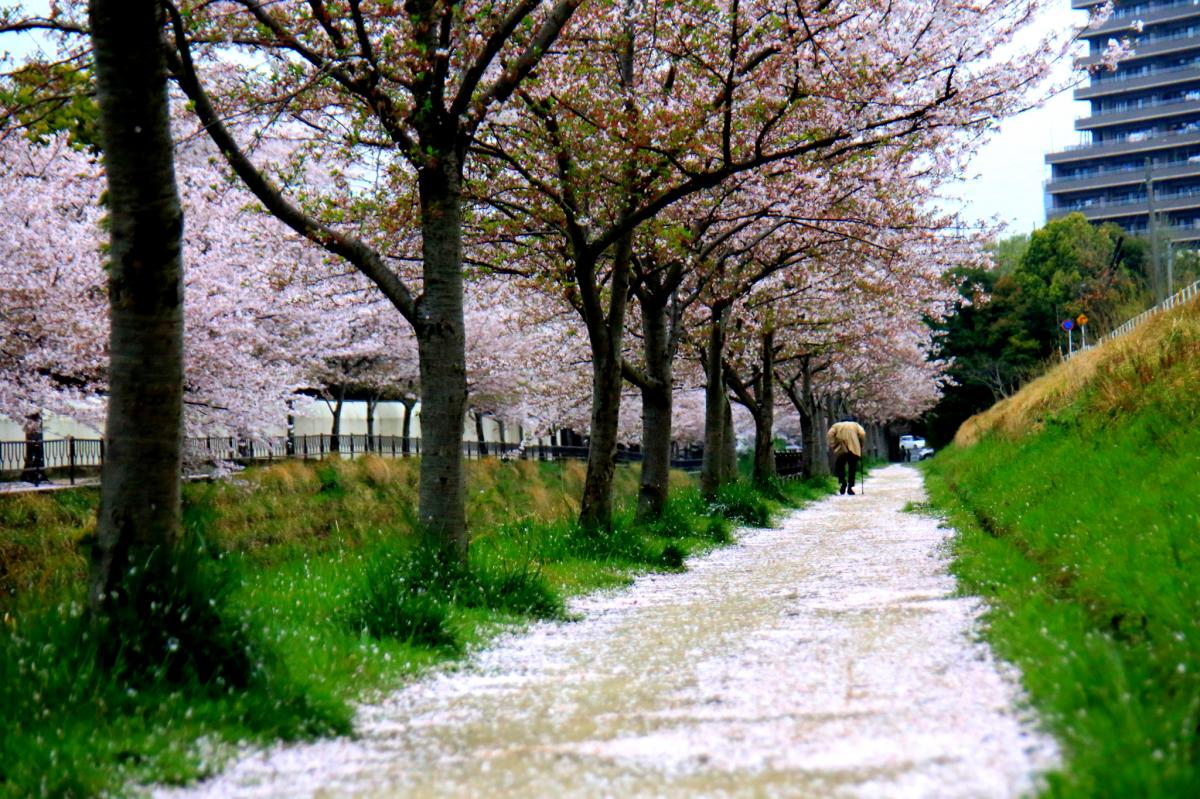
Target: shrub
[
  {"x": 407, "y": 592},
  {"x": 742, "y": 502},
  {"x": 393, "y": 600},
  {"x": 170, "y": 618}
]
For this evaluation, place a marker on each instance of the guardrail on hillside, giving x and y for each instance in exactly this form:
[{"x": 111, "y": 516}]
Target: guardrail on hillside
[
  {"x": 1176, "y": 299},
  {"x": 73, "y": 457}
]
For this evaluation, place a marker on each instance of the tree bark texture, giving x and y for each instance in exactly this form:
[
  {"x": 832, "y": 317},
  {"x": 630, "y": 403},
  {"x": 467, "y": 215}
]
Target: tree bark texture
[
  {"x": 605, "y": 334},
  {"x": 712, "y": 470},
  {"x": 372, "y": 406},
  {"x": 596, "y": 508},
  {"x": 764, "y": 415},
  {"x": 335, "y": 429},
  {"x": 33, "y": 470},
  {"x": 406, "y": 424},
  {"x": 480, "y": 437},
  {"x": 829, "y": 414},
  {"x": 656, "y": 411},
  {"x": 140, "y": 485},
  {"x": 729, "y": 464},
  {"x": 441, "y": 349},
  {"x": 812, "y": 427}
]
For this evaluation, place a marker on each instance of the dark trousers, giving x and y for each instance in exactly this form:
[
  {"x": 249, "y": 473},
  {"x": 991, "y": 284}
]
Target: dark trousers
[{"x": 846, "y": 462}]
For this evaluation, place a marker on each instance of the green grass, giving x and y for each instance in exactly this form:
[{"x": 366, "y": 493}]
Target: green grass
[
  {"x": 321, "y": 595},
  {"x": 1084, "y": 536}
]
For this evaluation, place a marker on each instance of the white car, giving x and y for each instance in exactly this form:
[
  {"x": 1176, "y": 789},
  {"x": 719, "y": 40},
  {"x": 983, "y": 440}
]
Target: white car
[{"x": 912, "y": 448}]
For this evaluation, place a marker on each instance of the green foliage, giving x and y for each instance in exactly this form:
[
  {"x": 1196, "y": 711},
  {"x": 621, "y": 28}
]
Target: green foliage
[
  {"x": 1085, "y": 540},
  {"x": 50, "y": 99},
  {"x": 1007, "y": 329},
  {"x": 169, "y": 619},
  {"x": 85, "y": 704},
  {"x": 407, "y": 591},
  {"x": 687, "y": 516},
  {"x": 331, "y": 482},
  {"x": 388, "y": 605},
  {"x": 744, "y": 503}
]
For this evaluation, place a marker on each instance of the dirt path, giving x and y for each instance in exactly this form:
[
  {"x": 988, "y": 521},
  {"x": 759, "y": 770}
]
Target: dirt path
[{"x": 826, "y": 658}]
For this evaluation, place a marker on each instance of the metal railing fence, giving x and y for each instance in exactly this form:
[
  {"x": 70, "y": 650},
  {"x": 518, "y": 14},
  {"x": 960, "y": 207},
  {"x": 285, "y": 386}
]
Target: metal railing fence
[
  {"x": 75, "y": 456},
  {"x": 1176, "y": 299}
]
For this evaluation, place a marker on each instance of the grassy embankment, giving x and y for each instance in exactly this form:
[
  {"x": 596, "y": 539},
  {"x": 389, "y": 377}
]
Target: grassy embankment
[
  {"x": 1078, "y": 506},
  {"x": 320, "y": 596}
]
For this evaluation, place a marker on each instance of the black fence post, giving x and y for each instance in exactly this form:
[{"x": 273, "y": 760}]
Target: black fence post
[{"x": 71, "y": 458}]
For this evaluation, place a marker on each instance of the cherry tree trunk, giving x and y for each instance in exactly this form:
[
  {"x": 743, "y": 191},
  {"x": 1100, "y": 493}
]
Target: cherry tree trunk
[
  {"x": 34, "y": 468},
  {"x": 441, "y": 350},
  {"x": 816, "y": 463},
  {"x": 596, "y": 508},
  {"x": 372, "y": 405},
  {"x": 656, "y": 412},
  {"x": 605, "y": 337},
  {"x": 140, "y": 485},
  {"x": 335, "y": 429},
  {"x": 764, "y": 417},
  {"x": 729, "y": 464},
  {"x": 480, "y": 436},
  {"x": 812, "y": 427},
  {"x": 830, "y": 413},
  {"x": 406, "y": 424},
  {"x": 712, "y": 470}
]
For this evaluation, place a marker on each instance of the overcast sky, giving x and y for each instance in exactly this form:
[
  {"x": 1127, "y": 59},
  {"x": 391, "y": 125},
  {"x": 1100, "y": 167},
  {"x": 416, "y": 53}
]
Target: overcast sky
[{"x": 1007, "y": 174}]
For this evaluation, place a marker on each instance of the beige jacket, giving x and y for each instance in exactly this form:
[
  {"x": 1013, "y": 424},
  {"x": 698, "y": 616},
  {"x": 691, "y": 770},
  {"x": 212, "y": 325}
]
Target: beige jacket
[{"x": 847, "y": 437}]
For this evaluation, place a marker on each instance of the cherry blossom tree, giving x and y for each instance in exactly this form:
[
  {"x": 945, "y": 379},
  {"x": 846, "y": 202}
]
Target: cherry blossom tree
[{"x": 53, "y": 343}]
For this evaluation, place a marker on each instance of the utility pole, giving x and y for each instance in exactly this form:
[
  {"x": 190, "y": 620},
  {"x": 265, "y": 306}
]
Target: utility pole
[
  {"x": 1170, "y": 268},
  {"x": 1152, "y": 227}
]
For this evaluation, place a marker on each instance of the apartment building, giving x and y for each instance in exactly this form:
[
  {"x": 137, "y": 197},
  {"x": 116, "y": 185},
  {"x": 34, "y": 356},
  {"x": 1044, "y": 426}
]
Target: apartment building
[{"x": 1144, "y": 125}]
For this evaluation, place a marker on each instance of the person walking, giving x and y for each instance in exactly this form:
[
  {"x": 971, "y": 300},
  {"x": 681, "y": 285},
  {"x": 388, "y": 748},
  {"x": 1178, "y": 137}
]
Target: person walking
[{"x": 846, "y": 439}]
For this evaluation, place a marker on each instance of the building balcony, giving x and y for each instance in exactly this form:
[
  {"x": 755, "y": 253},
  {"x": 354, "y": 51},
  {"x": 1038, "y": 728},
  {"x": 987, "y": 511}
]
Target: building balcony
[
  {"x": 1145, "y": 113},
  {"x": 1103, "y": 210},
  {"x": 1188, "y": 231},
  {"x": 1123, "y": 177},
  {"x": 1105, "y": 86},
  {"x": 1149, "y": 49},
  {"x": 1084, "y": 152},
  {"x": 1122, "y": 20}
]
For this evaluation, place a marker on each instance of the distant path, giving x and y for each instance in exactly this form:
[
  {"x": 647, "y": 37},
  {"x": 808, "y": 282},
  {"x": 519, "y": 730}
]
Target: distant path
[{"x": 826, "y": 658}]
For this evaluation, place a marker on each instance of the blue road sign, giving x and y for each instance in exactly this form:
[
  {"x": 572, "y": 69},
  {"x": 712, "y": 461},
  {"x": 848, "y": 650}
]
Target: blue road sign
[{"x": 1067, "y": 324}]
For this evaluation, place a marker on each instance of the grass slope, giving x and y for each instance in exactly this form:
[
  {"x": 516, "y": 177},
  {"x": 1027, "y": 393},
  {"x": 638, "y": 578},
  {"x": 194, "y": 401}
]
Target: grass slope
[
  {"x": 309, "y": 580},
  {"x": 1078, "y": 506}
]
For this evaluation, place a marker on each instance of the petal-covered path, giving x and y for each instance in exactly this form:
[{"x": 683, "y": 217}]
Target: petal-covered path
[{"x": 826, "y": 658}]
